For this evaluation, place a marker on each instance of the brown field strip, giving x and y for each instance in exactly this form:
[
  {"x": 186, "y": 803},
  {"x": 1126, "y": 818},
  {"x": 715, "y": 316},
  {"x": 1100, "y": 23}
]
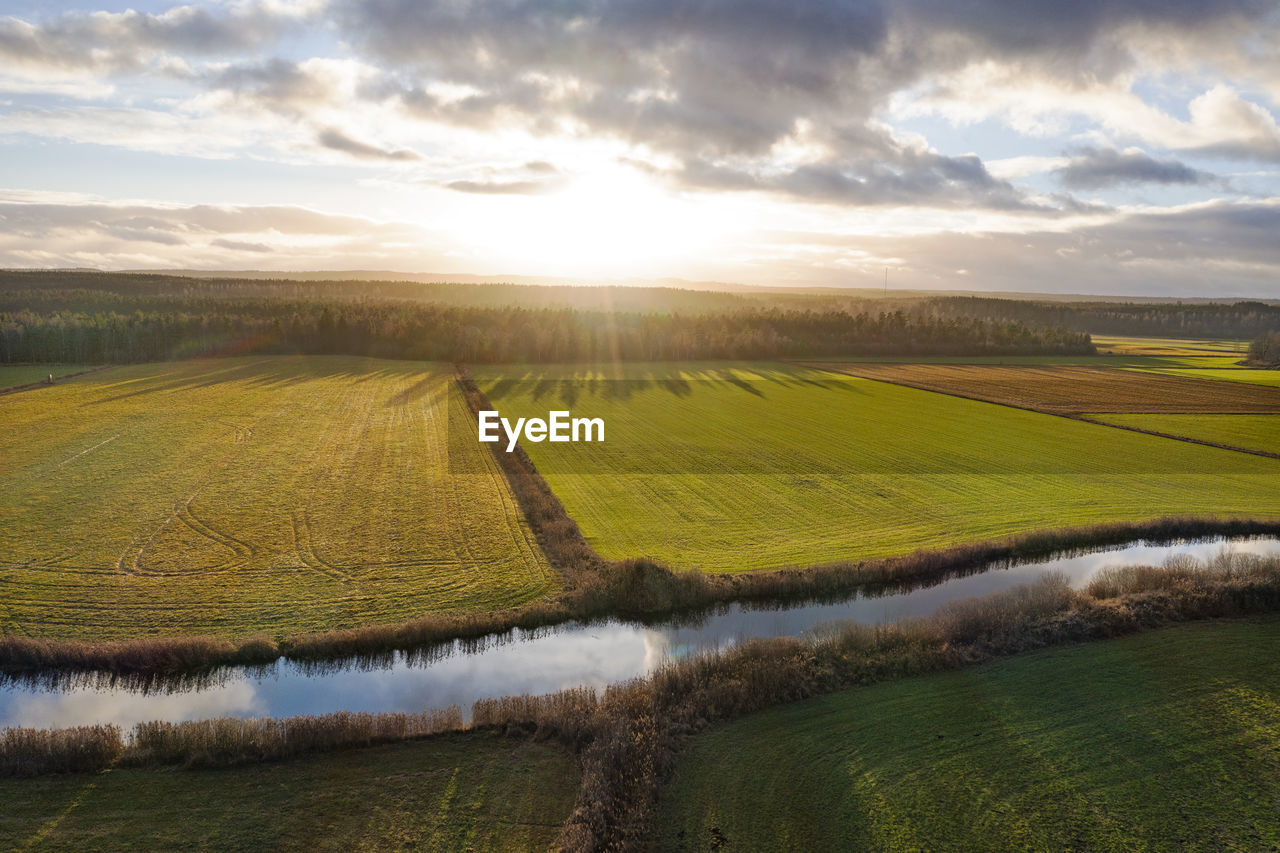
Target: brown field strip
[{"x": 1064, "y": 390}]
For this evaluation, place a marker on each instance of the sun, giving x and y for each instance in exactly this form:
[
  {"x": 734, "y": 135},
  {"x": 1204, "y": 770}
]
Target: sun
[{"x": 613, "y": 221}]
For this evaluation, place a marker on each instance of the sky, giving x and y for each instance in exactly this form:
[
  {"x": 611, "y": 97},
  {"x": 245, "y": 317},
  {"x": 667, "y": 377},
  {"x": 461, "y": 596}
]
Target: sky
[{"x": 1063, "y": 146}]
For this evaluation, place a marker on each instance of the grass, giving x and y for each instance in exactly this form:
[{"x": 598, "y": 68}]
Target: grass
[
  {"x": 14, "y": 375},
  {"x": 1252, "y": 432},
  {"x": 1249, "y": 375},
  {"x": 735, "y": 467},
  {"x": 1072, "y": 390},
  {"x": 1117, "y": 345},
  {"x": 1103, "y": 359},
  {"x": 245, "y": 495},
  {"x": 453, "y": 792},
  {"x": 1166, "y": 740}
]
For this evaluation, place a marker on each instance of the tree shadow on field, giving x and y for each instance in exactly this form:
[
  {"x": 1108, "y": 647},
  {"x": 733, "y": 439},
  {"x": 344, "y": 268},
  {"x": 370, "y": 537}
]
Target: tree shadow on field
[
  {"x": 502, "y": 388},
  {"x": 414, "y": 392},
  {"x": 679, "y": 386},
  {"x": 542, "y": 388},
  {"x": 252, "y": 372},
  {"x": 737, "y": 381}
]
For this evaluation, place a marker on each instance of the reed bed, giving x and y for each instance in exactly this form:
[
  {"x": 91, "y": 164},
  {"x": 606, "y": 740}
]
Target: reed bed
[
  {"x": 34, "y": 752},
  {"x": 235, "y": 741}
]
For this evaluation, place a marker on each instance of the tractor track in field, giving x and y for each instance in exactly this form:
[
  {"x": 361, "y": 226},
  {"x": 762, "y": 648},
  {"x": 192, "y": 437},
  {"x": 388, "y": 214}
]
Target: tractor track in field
[
  {"x": 188, "y": 517},
  {"x": 130, "y": 562},
  {"x": 305, "y": 549}
]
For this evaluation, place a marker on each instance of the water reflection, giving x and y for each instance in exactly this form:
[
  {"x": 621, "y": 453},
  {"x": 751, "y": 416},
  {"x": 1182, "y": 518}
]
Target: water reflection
[{"x": 539, "y": 661}]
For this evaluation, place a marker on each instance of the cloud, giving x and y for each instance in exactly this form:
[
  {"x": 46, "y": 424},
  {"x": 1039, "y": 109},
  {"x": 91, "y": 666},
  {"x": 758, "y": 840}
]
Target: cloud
[
  {"x": 241, "y": 246},
  {"x": 339, "y": 141},
  {"x": 1136, "y": 252},
  {"x": 902, "y": 176},
  {"x": 107, "y": 41},
  {"x": 1092, "y": 168},
  {"x": 501, "y": 187},
  {"x": 1234, "y": 127},
  {"x": 58, "y": 233},
  {"x": 788, "y": 102}
]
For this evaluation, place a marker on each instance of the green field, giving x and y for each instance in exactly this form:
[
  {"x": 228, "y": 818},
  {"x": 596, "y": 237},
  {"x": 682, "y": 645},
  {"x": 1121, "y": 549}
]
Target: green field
[
  {"x": 1252, "y": 376},
  {"x": 251, "y": 494},
  {"x": 23, "y": 374},
  {"x": 1119, "y": 345},
  {"x": 1140, "y": 362},
  {"x": 1165, "y": 741},
  {"x": 736, "y": 467},
  {"x": 448, "y": 793},
  {"x": 1252, "y": 432}
]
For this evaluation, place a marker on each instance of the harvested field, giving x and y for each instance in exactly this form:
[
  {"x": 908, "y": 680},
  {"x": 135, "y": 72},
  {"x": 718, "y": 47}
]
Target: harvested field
[
  {"x": 1074, "y": 390},
  {"x": 244, "y": 495}
]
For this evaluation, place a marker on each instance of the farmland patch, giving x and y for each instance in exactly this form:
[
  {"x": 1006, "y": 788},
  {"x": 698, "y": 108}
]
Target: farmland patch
[
  {"x": 1162, "y": 741},
  {"x": 1075, "y": 390},
  {"x": 1251, "y": 432},
  {"x": 243, "y": 495},
  {"x": 732, "y": 467}
]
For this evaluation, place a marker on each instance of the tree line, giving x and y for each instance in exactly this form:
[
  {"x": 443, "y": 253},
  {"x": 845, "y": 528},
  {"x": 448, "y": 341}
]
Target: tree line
[
  {"x": 1265, "y": 350},
  {"x": 1238, "y": 320},
  {"x": 137, "y": 328}
]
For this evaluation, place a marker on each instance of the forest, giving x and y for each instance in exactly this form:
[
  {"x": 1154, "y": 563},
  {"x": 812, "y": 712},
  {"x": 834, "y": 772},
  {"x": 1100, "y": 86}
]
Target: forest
[
  {"x": 121, "y": 318},
  {"x": 1240, "y": 320}
]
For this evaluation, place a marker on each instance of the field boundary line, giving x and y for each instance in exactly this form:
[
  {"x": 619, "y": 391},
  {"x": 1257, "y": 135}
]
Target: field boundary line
[
  {"x": 1266, "y": 453},
  {"x": 556, "y": 532},
  {"x": 1068, "y": 416},
  {"x": 44, "y": 383}
]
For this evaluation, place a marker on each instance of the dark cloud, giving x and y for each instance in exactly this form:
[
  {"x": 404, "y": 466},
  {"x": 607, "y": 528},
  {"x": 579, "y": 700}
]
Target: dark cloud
[
  {"x": 1093, "y": 168},
  {"x": 125, "y": 40},
  {"x": 716, "y": 84},
  {"x": 339, "y": 141},
  {"x": 1079, "y": 39},
  {"x": 723, "y": 77},
  {"x": 901, "y": 177},
  {"x": 280, "y": 85}
]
